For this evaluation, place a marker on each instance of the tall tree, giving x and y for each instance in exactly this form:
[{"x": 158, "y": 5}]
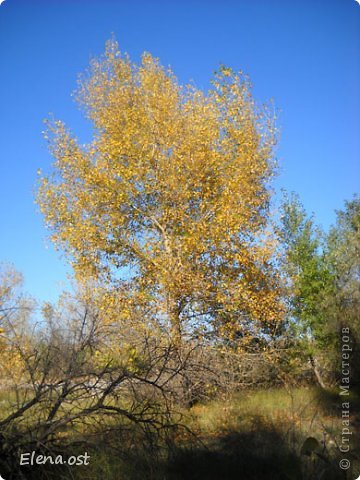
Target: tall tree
[{"x": 169, "y": 202}]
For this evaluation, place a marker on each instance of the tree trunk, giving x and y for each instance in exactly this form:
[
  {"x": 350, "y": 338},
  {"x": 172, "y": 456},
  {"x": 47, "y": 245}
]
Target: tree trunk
[
  {"x": 316, "y": 371},
  {"x": 174, "y": 317}
]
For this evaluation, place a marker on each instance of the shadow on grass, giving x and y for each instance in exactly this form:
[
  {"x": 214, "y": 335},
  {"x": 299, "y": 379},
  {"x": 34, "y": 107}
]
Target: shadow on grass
[
  {"x": 246, "y": 455},
  {"x": 256, "y": 451},
  {"x": 261, "y": 453}
]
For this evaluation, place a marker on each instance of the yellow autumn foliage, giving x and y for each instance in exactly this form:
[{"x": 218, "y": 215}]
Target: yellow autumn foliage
[{"x": 168, "y": 203}]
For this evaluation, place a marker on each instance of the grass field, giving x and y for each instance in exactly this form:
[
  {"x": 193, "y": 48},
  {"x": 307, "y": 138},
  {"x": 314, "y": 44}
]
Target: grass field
[
  {"x": 257, "y": 435},
  {"x": 252, "y": 435}
]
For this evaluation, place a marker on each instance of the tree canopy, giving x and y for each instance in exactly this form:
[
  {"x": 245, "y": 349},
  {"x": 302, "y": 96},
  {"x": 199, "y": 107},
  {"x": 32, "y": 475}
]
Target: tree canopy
[{"x": 169, "y": 201}]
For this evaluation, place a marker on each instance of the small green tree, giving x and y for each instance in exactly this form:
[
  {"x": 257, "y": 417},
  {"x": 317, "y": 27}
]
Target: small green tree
[
  {"x": 323, "y": 273},
  {"x": 343, "y": 259},
  {"x": 310, "y": 280}
]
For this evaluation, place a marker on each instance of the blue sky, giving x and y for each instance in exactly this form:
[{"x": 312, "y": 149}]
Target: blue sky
[{"x": 303, "y": 54}]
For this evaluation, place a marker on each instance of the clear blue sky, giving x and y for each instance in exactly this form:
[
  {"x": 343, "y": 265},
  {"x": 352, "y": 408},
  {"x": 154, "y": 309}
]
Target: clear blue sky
[{"x": 302, "y": 53}]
